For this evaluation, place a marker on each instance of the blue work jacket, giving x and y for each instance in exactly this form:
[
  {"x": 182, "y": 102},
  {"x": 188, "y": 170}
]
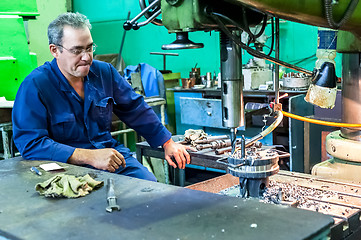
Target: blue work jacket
[{"x": 50, "y": 119}]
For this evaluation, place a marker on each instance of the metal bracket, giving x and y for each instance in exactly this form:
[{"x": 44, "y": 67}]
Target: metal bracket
[{"x": 221, "y": 161}]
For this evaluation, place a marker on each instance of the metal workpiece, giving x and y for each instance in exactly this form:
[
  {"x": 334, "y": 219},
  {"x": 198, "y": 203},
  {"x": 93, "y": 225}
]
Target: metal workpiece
[
  {"x": 231, "y": 83},
  {"x": 216, "y": 144},
  {"x": 238, "y": 144},
  {"x": 200, "y": 147},
  {"x": 210, "y": 139},
  {"x": 150, "y": 210},
  {"x": 221, "y": 143}
]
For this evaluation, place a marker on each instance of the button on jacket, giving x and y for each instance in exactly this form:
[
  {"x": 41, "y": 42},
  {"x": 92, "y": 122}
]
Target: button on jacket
[{"x": 50, "y": 120}]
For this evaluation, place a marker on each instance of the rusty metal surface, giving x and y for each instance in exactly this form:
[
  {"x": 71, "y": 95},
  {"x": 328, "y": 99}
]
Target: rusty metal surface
[
  {"x": 215, "y": 185},
  {"x": 338, "y": 199},
  {"x": 149, "y": 210}
]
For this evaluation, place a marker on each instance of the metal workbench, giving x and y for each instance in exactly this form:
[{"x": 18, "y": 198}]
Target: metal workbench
[
  {"x": 205, "y": 158},
  {"x": 149, "y": 211}
]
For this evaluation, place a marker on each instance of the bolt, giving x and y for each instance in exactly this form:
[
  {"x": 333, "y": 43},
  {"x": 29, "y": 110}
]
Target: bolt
[{"x": 333, "y": 149}]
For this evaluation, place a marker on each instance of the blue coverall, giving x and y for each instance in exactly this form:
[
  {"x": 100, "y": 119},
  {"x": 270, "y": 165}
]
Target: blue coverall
[{"x": 50, "y": 119}]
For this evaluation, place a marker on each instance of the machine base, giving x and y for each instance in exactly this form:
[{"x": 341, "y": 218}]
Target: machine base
[
  {"x": 338, "y": 169},
  {"x": 339, "y": 199}
]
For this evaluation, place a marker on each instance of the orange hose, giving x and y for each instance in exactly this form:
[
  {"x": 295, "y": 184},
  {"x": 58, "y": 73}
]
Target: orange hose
[{"x": 320, "y": 122}]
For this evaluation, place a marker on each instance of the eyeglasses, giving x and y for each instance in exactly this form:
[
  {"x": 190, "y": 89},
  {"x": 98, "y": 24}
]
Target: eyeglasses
[{"x": 78, "y": 51}]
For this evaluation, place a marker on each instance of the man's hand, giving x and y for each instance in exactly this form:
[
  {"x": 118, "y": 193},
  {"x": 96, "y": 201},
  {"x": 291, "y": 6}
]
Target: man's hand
[
  {"x": 106, "y": 159},
  {"x": 178, "y": 152}
]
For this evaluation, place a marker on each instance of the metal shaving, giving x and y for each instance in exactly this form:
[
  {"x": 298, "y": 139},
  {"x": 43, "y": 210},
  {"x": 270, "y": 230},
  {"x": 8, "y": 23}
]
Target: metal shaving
[
  {"x": 289, "y": 192},
  {"x": 295, "y": 195}
]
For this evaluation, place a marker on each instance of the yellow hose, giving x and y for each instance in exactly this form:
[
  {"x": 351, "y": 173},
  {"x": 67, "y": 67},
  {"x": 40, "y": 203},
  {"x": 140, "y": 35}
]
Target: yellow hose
[{"x": 320, "y": 122}]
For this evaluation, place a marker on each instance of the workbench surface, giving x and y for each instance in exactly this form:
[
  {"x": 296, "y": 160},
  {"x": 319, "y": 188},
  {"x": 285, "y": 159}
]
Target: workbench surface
[{"x": 149, "y": 211}]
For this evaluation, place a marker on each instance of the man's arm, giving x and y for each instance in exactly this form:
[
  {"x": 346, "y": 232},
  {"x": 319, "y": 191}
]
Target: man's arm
[
  {"x": 32, "y": 139},
  {"x": 30, "y": 121},
  {"x": 178, "y": 152},
  {"x": 131, "y": 109},
  {"x": 106, "y": 159}
]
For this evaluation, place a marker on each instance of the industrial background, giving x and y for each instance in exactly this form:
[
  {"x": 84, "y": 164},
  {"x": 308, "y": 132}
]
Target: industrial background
[{"x": 260, "y": 133}]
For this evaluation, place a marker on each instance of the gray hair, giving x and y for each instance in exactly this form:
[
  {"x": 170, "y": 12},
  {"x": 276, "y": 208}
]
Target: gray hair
[{"x": 74, "y": 20}]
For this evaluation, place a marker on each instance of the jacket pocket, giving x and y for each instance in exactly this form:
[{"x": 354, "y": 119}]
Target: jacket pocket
[
  {"x": 103, "y": 112},
  {"x": 63, "y": 127}
]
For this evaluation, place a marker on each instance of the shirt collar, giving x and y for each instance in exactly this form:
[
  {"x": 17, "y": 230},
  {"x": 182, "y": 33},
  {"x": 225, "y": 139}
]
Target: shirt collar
[{"x": 63, "y": 82}]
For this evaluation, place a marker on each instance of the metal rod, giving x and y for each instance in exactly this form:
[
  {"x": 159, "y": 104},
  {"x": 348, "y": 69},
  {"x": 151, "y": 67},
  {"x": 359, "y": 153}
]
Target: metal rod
[
  {"x": 121, "y": 46},
  {"x": 144, "y": 11},
  {"x": 277, "y": 67},
  {"x": 233, "y": 139},
  {"x": 164, "y": 65},
  {"x": 150, "y": 19},
  {"x": 243, "y": 146},
  {"x": 211, "y": 139},
  {"x": 258, "y": 136},
  {"x": 164, "y": 57}
]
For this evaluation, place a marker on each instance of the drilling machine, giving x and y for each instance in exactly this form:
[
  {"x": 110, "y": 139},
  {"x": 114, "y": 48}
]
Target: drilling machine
[{"x": 253, "y": 166}]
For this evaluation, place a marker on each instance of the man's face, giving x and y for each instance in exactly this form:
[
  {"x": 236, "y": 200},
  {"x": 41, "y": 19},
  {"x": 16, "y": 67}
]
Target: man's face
[{"x": 72, "y": 64}]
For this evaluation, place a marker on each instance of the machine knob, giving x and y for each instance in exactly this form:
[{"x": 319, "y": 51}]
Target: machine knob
[{"x": 127, "y": 25}]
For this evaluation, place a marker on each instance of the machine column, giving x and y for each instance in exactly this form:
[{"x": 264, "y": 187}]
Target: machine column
[
  {"x": 232, "y": 86},
  {"x": 351, "y": 97}
]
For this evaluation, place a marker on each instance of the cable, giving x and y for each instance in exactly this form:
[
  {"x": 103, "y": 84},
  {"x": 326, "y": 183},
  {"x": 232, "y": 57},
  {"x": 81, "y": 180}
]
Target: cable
[
  {"x": 248, "y": 30},
  {"x": 329, "y": 13},
  {"x": 320, "y": 122},
  {"x": 273, "y": 40},
  {"x": 251, "y": 51}
]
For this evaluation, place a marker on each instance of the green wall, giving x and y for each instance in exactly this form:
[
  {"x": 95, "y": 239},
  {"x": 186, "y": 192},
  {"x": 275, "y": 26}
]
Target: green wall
[
  {"x": 298, "y": 41},
  {"x": 107, "y": 19},
  {"x": 38, "y": 39}
]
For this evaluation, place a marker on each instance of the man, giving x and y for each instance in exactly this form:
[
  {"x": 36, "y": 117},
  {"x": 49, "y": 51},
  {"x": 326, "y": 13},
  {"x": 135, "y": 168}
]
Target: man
[{"x": 63, "y": 109}]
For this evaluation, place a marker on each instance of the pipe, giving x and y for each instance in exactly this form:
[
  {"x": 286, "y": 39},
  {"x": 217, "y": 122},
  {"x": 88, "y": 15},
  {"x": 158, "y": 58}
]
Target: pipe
[
  {"x": 320, "y": 122},
  {"x": 251, "y": 51},
  {"x": 258, "y": 136},
  {"x": 266, "y": 131}
]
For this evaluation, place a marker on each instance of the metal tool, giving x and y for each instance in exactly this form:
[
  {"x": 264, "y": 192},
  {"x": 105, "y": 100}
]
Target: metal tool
[
  {"x": 111, "y": 198},
  {"x": 35, "y": 170}
]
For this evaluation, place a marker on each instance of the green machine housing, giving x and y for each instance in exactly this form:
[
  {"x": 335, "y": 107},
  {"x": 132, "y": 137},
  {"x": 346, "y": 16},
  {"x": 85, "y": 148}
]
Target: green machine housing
[
  {"x": 190, "y": 15},
  {"x": 16, "y": 61}
]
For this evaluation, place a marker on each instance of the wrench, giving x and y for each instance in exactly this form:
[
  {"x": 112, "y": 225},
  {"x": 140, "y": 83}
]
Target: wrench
[{"x": 111, "y": 198}]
